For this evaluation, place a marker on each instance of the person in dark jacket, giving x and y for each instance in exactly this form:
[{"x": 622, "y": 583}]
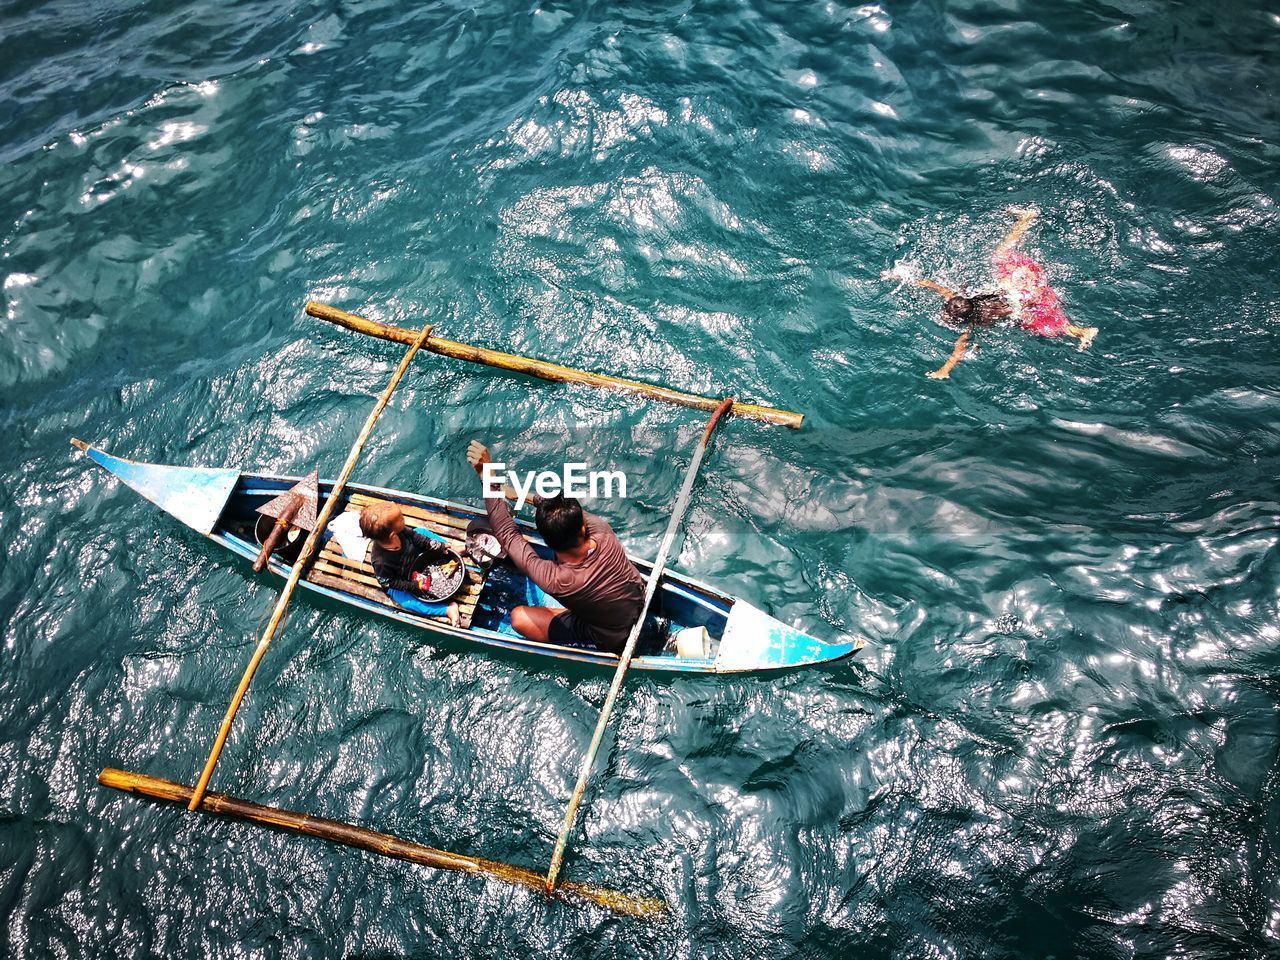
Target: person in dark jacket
[
  {"x": 602, "y": 591},
  {"x": 400, "y": 559}
]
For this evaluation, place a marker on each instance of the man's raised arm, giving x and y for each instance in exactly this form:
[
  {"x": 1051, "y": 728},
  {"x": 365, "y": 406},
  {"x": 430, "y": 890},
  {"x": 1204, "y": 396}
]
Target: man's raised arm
[{"x": 540, "y": 571}]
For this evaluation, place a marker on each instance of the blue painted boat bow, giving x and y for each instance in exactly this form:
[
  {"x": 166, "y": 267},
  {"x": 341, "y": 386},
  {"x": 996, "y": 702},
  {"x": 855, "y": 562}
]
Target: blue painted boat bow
[
  {"x": 195, "y": 495},
  {"x": 753, "y": 640}
]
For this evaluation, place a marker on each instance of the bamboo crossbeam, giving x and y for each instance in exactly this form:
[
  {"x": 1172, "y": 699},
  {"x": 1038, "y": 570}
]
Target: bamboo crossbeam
[
  {"x": 300, "y": 566},
  {"x": 362, "y": 838},
  {"x": 545, "y": 368},
  {"x": 655, "y": 575}
]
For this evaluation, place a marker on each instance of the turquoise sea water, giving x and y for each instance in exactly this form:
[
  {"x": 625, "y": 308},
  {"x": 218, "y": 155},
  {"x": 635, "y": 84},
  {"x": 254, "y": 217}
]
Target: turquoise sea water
[{"x": 1062, "y": 738}]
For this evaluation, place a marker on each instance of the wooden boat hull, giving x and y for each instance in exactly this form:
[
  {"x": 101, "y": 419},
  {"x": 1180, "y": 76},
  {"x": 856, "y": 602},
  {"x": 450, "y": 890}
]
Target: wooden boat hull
[{"x": 221, "y": 503}]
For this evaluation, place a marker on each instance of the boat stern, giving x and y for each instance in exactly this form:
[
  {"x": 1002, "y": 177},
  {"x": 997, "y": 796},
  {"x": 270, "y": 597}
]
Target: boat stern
[{"x": 753, "y": 640}]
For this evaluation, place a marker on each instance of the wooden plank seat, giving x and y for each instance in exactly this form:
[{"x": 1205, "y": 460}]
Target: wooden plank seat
[{"x": 336, "y": 570}]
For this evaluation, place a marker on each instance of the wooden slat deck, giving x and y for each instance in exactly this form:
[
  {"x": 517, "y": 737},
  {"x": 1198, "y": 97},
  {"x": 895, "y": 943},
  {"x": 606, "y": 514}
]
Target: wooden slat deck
[{"x": 336, "y": 570}]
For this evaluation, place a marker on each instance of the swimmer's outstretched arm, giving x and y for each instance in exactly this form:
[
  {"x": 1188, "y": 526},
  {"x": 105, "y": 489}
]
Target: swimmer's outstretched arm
[
  {"x": 946, "y": 292},
  {"x": 1026, "y": 217},
  {"x": 957, "y": 354}
]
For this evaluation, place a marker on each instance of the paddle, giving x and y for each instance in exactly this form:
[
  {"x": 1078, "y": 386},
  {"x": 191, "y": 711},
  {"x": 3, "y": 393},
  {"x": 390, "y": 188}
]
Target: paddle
[
  {"x": 659, "y": 563},
  {"x": 304, "y": 558}
]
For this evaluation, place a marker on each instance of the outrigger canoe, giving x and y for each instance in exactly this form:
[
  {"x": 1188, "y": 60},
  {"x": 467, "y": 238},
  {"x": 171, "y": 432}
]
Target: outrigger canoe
[{"x": 222, "y": 503}]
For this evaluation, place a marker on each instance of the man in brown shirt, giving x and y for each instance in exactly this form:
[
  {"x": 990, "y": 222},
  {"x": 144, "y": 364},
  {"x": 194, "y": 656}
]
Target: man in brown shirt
[{"x": 602, "y": 591}]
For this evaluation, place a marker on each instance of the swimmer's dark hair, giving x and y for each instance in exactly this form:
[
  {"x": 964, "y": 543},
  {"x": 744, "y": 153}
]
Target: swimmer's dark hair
[
  {"x": 979, "y": 311},
  {"x": 559, "y": 520}
]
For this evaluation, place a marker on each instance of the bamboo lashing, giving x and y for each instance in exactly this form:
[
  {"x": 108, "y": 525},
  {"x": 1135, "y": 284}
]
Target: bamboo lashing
[
  {"x": 546, "y": 369},
  {"x": 365, "y": 839},
  {"x": 655, "y": 575},
  {"x": 299, "y": 567}
]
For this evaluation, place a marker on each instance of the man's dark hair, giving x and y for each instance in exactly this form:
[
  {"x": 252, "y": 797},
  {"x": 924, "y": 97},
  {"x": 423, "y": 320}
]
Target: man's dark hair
[{"x": 559, "y": 520}]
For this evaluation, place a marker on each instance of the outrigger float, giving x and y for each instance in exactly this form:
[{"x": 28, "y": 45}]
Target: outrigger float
[{"x": 224, "y": 505}]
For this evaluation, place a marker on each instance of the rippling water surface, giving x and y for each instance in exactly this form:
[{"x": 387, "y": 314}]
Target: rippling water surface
[{"x": 1062, "y": 737}]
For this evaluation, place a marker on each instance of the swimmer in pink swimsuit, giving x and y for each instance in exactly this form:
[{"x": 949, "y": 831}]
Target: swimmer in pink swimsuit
[{"x": 1024, "y": 293}]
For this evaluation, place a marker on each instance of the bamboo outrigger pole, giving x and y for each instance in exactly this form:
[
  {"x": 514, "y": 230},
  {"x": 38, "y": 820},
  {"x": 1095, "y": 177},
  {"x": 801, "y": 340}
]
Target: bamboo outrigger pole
[
  {"x": 304, "y": 558},
  {"x": 366, "y": 839},
  {"x": 545, "y": 369},
  {"x": 655, "y": 575}
]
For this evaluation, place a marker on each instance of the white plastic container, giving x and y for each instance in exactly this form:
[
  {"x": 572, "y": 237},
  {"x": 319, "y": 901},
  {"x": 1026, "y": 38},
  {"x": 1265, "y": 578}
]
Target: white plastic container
[{"x": 693, "y": 642}]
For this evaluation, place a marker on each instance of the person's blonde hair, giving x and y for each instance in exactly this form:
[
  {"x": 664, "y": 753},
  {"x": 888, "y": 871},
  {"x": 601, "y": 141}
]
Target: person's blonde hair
[{"x": 379, "y": 520}]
